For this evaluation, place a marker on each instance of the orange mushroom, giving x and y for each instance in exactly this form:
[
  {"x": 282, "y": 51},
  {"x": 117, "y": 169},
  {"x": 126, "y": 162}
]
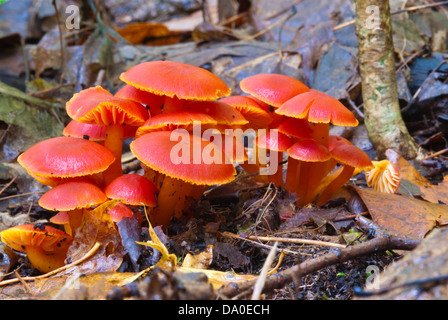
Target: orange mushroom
[
  {"x": 176, "y": 81},
  {"x": 350, "y": 157},
  {"x": 187, "y": 169},
  {"x": 384, "y": 177},
  {"x": 45, "y": 246},
  {"x": 307, "y": 152},
  {"x": 73, "y": 197},
  {"x": 55, "y": 160},
  {"x": 97, "y": 106},
  {"x": 321, "y": 110}
]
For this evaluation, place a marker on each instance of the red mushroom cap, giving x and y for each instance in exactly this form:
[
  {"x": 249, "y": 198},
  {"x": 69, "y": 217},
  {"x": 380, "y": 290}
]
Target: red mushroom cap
[
  {"x": 310, "y": 151},
  {"x": 273, "y": 89},
  {"x": 154, "y": 150},
  {"x": 171, "y": 79},
  {"x": 296, "y": 128},
  {"x": 131, "y": 93},
  {"x": 72, "y": 195},
  {"x": 120, "y": 211},
  {"x": 352, "y": 156},
  {"x": 66, "y": 157},
  {"x": 223, "y": 113},
  {"x": 133, "y": 189},
  {"x": 318, "y": 107}
]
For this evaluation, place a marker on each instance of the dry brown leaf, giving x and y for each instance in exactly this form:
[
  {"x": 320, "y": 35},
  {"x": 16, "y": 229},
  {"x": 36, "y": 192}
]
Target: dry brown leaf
[
  {"x": 403, "y": 215},
  {"x": 416, "y": 183},
  {"x": 147, "y": 33}
]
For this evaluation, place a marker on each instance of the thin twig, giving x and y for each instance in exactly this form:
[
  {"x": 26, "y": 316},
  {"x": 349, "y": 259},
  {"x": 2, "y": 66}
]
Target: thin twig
[
  {"x": 8, "y": 184},
  {"x": 259, "y": 284},
  {"x": 410, "y": 9},
  {"x": 286, "y": 240},
  {"x": 438, "y": 153},
  {"x": 21, "y": 195}
]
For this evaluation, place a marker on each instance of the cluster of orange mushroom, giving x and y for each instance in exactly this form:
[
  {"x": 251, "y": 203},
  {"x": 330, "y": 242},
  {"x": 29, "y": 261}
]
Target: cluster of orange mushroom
[{"x": 177, "y": 111}]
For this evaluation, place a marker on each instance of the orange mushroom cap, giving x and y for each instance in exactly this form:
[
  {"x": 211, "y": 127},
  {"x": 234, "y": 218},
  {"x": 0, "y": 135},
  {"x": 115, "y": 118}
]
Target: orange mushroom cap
[
  {"x": 174, "y": 120},
  {"x": 257, "y": 115},
  {"x": 273, "y": 89},
  {"x": 96, "y": 105},
  {"x": 172, "y": 78},
  {"x": 334, "y": 141},
  {"x": 120, "y": 211},
  {"x": 318, "y": 107},
  {"x": 352, "y": 156},
  {"x": 384, "y": 177},
  {"x": 133, "y": 189},
  {"x": 154, "y": 150},
  {"x": 278, "y": 142},
  {"x": 72, "y": 195},
  {"x": 66, "y": 157},
  {"x": 309, "y": 150},
  {"x": 35, "y": 235}
]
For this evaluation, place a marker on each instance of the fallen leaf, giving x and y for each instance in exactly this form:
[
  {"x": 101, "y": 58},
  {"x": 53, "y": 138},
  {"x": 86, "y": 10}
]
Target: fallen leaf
[
  {"x": 415, "y": 183},
  {"x": 148, "y": 33},
  {"x": 403, "y": 215}
]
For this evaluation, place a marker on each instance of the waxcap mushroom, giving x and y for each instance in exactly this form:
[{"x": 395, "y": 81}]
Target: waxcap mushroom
[
  {"x": 132, "y": 189},
  {"x": 66, "y": 157}
]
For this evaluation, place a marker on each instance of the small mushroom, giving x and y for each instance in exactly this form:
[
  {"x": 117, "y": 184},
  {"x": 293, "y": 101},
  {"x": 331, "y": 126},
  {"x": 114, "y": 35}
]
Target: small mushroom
[
  {"x": 46, "y": 247},
  {"x": 384, "y": 177}
]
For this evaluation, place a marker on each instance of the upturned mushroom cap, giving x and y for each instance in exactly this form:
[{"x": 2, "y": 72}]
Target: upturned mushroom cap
[
  {"x": 96, "y": 105},
  {"x": 273, "y": 89},
  {"x": 310, "y": 151},
  {"x": 93, "y": 132},
  {"x": 318, "y": 107},
  {"x": 45, "y": 238},
  {"x": 155, "y": 151},
  {"x": 174, "y": 120},
  {"x": 175, "y": 79},
  {"x": 384, "y": 177},
  {"x": 72, "y": 195},
  {"x": 66, "y": 157},
  {"x": 132, "y": 189}
]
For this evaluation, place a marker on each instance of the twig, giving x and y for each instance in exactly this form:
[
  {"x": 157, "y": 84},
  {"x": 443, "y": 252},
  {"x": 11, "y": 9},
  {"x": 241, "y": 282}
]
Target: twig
[
  {"x": 21, "y": 195},
  {"x": 91, "y": 252},
  {"x": 259, "y": 284},
  {"x": 410, "y": 9},
  {"x": 382, "y": 242},
  {"x": 287, "y": 240},
  {"x": 435, "y": 154},
  {"x": 45, "y": 91},
  {"x": 8, "y": 184}
]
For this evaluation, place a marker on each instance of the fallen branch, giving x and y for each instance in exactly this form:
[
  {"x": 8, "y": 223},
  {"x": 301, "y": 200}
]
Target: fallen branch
[{"x": 382, "y": 242}]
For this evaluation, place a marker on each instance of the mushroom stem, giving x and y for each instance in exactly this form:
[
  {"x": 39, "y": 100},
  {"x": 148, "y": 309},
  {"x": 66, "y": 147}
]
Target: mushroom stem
[
  {"x": 291, "y": 170},
  {"x": 277, "y": 177},
  {"x": 166, "y": 201},
  {"x": 302, "y": 177},
  {"x": 336, "y": 184},
  {"x": 45, "y": 261},
  {"x": 114, "y": 142},
  {"x": 321, "y": 132}
]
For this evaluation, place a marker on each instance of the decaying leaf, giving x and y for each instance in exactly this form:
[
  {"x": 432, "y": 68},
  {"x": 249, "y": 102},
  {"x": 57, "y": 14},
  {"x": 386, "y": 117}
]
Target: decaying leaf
[
  {"x": 97, "y": 226},
  {"x": 414, "y": 182},
  {"x": 148, "y": 33},
  {"x": 412, "y": 217}
]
